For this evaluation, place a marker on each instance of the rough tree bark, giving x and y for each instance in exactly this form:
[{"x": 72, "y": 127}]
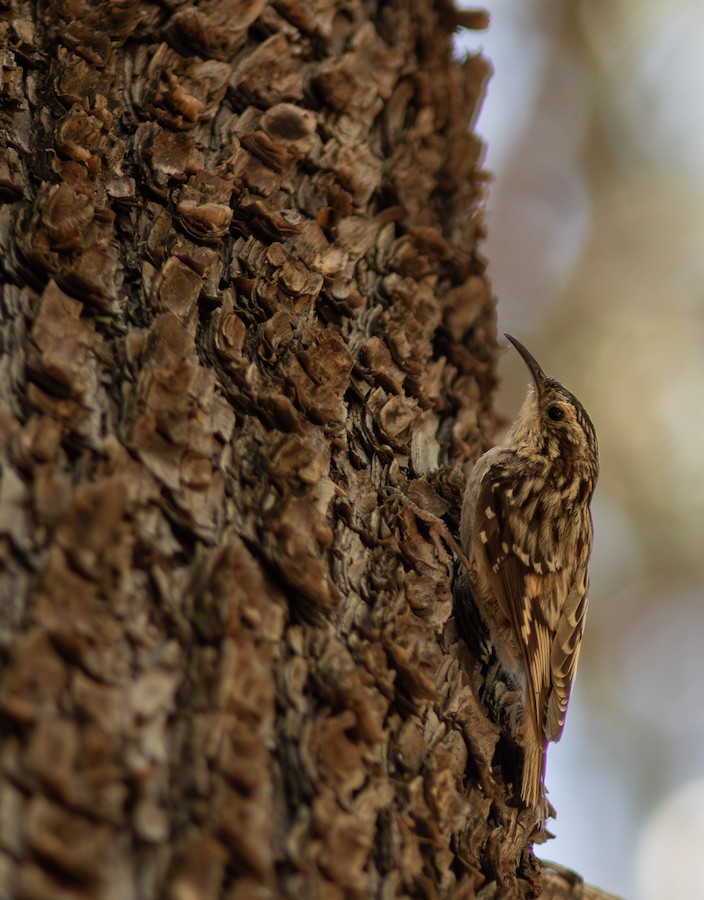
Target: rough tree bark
[{"x": 246, "y": 337}]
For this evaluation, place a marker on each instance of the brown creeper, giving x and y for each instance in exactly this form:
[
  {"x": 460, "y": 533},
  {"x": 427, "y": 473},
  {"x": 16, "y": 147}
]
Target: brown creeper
[{"x": 527, "y": 532}]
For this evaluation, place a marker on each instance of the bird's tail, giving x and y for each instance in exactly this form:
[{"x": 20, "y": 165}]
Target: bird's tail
[{"x": 533, "y": 773}]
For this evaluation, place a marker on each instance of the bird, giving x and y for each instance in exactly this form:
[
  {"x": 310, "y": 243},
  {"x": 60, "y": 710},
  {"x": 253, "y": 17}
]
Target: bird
[{"x": 526, "y": 532}]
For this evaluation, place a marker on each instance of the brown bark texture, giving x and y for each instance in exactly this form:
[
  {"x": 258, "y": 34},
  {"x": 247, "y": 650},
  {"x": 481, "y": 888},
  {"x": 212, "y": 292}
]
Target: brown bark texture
[
  {"x": 560, "y": 883},
  {"x": 246, "y": 339}
]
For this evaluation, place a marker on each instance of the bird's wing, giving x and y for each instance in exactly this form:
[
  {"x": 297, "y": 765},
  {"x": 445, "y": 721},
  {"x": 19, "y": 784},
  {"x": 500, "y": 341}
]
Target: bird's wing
[
  {"x": 530, "y": 591},
  {"x": 565, "y": 653}
]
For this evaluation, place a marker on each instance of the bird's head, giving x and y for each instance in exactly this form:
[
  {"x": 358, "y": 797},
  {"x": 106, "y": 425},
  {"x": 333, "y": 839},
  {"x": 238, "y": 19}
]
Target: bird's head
[{"x": 552, "y": 422}]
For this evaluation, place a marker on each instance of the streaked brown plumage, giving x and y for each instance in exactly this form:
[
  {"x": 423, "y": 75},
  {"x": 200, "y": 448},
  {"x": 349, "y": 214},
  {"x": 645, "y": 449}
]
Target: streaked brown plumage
[{"x": 527, "y": 532}]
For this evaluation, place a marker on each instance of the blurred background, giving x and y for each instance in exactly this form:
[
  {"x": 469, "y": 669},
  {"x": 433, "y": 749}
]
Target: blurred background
[{"x": 594, "y": 124}]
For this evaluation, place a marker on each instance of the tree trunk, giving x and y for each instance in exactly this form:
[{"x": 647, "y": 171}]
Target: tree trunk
[{"x": 248, "y": 345}]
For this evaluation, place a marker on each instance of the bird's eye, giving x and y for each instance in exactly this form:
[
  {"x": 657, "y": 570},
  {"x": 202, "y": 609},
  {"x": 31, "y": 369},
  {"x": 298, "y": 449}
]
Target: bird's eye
[{"x": 556, "y": 413}]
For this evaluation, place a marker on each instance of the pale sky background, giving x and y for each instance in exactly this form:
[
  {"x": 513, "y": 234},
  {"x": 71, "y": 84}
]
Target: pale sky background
[{"x": 594, "y": 123}]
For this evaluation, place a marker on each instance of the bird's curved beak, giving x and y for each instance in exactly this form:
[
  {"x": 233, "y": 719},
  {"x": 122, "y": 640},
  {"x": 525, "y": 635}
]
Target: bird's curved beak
[{"x": 531, "y": 362}]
